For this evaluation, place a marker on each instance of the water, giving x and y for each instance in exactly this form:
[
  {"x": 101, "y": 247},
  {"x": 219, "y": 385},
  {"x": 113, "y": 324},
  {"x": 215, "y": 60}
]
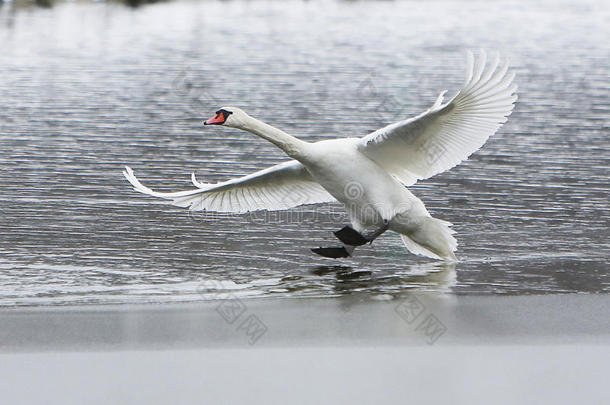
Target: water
[{"x": 88, "y": 88}]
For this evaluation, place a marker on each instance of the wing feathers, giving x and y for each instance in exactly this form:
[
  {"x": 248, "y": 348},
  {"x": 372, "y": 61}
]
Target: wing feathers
[
  {"x": 281, "y": 186},
  {"x": 444, "y": 135}
]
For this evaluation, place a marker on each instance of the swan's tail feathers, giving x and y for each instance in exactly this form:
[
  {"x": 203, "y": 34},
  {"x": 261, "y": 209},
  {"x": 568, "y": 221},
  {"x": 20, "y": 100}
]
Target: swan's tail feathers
[
  {"x": 418, "y": 249},
  {"x": 433, "y": 239}
]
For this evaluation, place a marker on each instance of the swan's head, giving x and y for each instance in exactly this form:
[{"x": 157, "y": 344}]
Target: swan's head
[{"x": 229, "y": 117}]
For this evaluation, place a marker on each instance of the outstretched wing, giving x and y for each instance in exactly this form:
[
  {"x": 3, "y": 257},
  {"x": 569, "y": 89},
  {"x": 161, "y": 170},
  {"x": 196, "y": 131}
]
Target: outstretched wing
[
  {"x": 446, "y": 134},
  {"x": 278, "y": 187}
]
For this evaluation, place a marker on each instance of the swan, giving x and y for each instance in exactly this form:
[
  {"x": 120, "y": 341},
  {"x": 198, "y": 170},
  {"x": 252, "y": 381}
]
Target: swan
[{"x": 368, "y": 175}]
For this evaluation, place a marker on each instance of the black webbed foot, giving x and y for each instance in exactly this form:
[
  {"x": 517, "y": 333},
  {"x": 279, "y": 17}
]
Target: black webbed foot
[
  {"x": 332, "y": 252},
  {"x": 350, "y": 236}
]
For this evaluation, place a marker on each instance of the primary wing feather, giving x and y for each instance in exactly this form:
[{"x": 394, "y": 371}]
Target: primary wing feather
[
  {"x": 278, "y": 187},
  {"x": 446, "y": 134}
]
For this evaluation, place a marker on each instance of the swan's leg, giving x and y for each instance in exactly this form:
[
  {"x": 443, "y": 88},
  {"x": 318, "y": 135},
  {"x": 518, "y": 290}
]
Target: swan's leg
[
  {"x": 371, "y": 236},
  {"x": 350, "y": 236}
]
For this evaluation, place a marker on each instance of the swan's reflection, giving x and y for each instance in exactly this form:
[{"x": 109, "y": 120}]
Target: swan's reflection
[
  {"x": 430, "y": 283},
  {"x": 423, "y": 277},
  {"x": 342, "y": 273},
  {"x": 351, "y": 285}
]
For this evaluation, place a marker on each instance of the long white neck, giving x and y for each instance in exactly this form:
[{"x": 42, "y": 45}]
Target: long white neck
[{"x": 293, "y": 147}]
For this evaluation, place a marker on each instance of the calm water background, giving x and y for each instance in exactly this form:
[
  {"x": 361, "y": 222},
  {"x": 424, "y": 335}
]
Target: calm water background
[{"x": 88, "y": 88}]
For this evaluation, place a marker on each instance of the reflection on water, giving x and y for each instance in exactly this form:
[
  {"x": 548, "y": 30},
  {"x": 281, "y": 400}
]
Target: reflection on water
[
  {"x": 425, "y": 277},
  {"x": 88, "y": 88}
]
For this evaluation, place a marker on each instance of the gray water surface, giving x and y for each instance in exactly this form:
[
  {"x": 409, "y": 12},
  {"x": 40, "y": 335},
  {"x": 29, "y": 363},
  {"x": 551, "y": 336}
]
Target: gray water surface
[{"x": 88, "y": 88}]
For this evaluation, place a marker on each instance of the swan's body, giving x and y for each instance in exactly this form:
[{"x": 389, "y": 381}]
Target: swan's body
[{"x": 368, "y": 175}]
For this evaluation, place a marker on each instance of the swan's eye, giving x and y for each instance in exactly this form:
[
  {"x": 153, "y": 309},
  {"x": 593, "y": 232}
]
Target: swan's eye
[{"x": 225, "y": 113}]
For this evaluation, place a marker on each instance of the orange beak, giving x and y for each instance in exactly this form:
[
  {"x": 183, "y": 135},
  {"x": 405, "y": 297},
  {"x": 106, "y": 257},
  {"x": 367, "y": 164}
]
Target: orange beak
[{"x": 218, "y": 119}]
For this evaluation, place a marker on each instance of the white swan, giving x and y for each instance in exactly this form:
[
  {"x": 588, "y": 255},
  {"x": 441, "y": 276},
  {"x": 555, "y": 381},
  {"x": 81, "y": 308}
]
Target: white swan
[{"x": 368, "y": 175}]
